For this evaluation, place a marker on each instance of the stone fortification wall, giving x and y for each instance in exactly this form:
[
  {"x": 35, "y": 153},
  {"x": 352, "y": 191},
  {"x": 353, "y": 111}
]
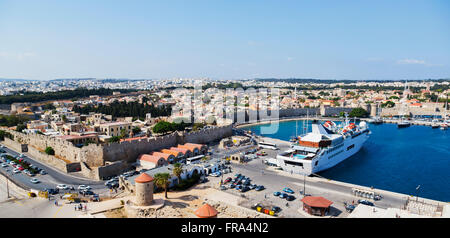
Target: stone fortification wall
[
  {"x": 333, "y": 111},
  {"x": 13, "y": 145},
  {"x": 91, "y": 154},
  {"x": 427, "y": 109},
  {"x": 128, "y": 151},
  {"x": 48, "y": 159},
  {"x": 91, "y": 159},
  {"x": 206, "y": 136}
]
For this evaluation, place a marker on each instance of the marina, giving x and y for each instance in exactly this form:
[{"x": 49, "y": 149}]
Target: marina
[{"x": 390, "y": 159}]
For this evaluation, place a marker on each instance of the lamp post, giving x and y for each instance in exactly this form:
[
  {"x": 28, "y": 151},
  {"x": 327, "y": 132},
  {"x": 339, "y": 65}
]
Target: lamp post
[
  {"x": 7, "y": 186},
  {"x": 417, "y": 193},
  {"x": 304, "y": 185}
]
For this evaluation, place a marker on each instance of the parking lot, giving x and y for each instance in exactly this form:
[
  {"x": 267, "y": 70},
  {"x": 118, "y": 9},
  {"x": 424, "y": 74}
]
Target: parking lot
[{"x": 276, "y": 181}]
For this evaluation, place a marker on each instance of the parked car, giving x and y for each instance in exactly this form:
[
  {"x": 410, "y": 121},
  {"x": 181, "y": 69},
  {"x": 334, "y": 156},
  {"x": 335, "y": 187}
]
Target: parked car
[
  {"x": 16, "y": 171},
  {"x": 349, "y": 207},
  {"x": 283, "y": 195},
  {"x": 4, "y": 165},
  {"x": 259, "y": 188},
  {"x": 276, "y": 209},
  {"x": 223, "y": 187},
  {"x": 244, "y": 189},
  {"x": 52, "y": 191},
  {"x": 288, "y": 190},
  {"x": 84, "y": 187},
  {"x": 95, "y": 198},
  {"x": 42, "y": 172},
  {"x": 365, "y": 202},
  {"x": 254, "y": 206},
  {"x": 62, "y": 187},
  {"x": 276, "y": 194},
  {"x": 290, "y": 198},
  {"x": 34, "y": 180},
  {"x": 86, "y": 192}
]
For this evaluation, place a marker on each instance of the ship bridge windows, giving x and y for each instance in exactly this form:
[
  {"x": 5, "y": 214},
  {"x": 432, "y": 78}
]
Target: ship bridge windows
[
  {"x": 288, "y": 162},
  {"x": 350, "y": 147}
]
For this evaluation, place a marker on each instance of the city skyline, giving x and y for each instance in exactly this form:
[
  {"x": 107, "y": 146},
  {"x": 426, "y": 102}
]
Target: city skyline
[{"x": 225, "y": 40}]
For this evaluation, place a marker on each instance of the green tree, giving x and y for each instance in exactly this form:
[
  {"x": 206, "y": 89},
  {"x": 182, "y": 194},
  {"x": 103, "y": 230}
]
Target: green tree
[
  {"x": 177, "y": 171},
  {"x": 388, "y": 104},
  {"x": 50, "y": 151},
  {"x": 163, "y": 127},
  {"x": 123, "y": 133},
  {"x": 20, "y": 127},
  {"x": 358, "y": 112},
  {"x": 114, "y": 139},
  {"x": 162, "y": 181},
  {"x": 136, "y": 130}
]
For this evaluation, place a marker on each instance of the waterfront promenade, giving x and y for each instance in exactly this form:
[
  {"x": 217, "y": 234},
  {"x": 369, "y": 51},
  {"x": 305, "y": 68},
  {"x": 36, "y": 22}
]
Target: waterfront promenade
[{"x": 336, "y": 191}]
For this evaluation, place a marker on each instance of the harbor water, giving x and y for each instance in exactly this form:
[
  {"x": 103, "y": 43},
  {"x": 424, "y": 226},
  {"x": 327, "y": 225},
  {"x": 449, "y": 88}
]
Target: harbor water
[{"x": 393, "y": 159}]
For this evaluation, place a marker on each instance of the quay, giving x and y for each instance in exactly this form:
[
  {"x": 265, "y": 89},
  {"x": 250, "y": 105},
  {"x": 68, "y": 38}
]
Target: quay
[{"x": 339, "y": 192}]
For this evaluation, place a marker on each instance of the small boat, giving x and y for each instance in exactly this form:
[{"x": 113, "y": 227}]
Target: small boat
[
  {"x": 403, "y": 124},
  {"x": 375, "y": 120},
  {"x": 434, "y": 126},
  {"x": 444, "y": 126}
]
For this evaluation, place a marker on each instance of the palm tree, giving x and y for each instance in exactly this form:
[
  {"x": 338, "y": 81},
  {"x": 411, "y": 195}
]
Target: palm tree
[
  {"x": 162, "y": 181},
  {"x": 177, "y": 170}
]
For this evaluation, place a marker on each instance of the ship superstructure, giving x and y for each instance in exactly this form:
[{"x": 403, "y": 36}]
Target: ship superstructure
[{"x": 325, "y": 146}]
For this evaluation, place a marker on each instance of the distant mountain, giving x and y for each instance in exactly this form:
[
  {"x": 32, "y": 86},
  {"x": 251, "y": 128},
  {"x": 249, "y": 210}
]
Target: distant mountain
[
  {"x": 15, "y": 80},
  {"x": 329, "y": 81}
]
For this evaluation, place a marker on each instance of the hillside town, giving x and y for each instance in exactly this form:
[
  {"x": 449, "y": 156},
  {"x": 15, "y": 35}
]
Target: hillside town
[{"x": 131, "y": 143}]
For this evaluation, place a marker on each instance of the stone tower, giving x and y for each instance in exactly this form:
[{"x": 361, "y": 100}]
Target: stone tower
[
  {"x": 373, "y": 110},
  {"x": 144, "y": 190}
]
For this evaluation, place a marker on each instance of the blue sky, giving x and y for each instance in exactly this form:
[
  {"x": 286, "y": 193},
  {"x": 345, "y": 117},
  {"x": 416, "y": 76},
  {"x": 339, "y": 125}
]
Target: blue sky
[{"x": 225, "y": 39}]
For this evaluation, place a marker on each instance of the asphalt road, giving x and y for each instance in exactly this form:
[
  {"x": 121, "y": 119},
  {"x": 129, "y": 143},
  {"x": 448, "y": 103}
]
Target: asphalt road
[
  {"x": 51, "y": 179},
  {"x": 274, "y": 180}
]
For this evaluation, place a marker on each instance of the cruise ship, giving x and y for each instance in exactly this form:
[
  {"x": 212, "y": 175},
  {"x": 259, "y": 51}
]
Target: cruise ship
[{"x": 326, "y": 146}]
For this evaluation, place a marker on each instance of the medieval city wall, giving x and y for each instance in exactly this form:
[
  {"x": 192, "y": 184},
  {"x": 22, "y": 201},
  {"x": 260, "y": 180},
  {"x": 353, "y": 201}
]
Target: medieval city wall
[
  {"x": 93, "y": 159},
  {"x": 206, "y": 136},
  {"x": 427, "y": 109},
  {"x": 91, "y": 154},
  {"x": 128, "y": 151},
  {"x": 333, "y": 111}
]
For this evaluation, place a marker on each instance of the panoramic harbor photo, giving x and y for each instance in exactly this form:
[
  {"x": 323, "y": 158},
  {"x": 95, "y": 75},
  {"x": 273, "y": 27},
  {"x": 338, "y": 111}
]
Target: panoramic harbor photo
[{"x": 269, "y": 115}]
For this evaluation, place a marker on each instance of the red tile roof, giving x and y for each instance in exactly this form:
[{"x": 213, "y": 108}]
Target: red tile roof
[
  {"x": 143, "y": 178},
  {"x": 206, "y": 211},
  {"x": 149, "y": 158},
  {"x": 182, "y": 150},
  {"x": 316, "y": 201},
  {"x": 162, "y": 155}
]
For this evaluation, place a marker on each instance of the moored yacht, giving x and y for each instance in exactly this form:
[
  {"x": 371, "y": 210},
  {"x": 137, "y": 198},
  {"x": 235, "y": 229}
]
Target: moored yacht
[
  {"x": 326, "y": 146},
  {"x": 375, "y": 120},
  {"x": 403, "y": 123}
]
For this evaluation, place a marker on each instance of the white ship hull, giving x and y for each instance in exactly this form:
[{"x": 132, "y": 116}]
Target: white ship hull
[
  {"x": 323, "y": 158},
  {"x": 325, "y": 162}
]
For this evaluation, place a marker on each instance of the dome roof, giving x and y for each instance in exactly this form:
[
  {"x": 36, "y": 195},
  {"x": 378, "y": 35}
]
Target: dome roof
[
  {"x": 143, "y": 178},
  {"x": 206, "y": 211}
]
